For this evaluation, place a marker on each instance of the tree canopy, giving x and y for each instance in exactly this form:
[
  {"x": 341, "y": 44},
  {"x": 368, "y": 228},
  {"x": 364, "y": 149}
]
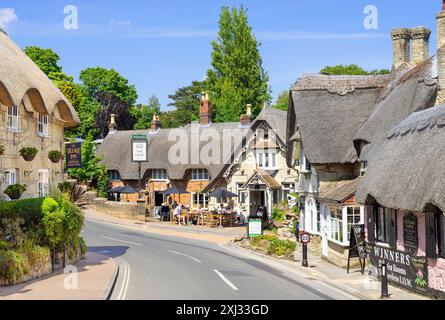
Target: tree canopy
[
  {"x": 186, "y": 101},
  {"x": 237, "y": 77},
  {"x": 282, "y": 102},
  {"x": 351, "y": 69},
  {"x": 144, "y": 113}
]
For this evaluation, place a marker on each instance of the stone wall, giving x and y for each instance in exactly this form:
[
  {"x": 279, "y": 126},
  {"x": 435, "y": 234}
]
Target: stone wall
[
  {"x": 27, "y": 136},
  {"x": 130, "y": 210}
]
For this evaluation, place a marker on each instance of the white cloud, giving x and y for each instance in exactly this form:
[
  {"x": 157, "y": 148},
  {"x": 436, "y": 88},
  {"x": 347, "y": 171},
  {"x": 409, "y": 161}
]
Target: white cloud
[
  {"x": 7, "y": 16},
  {"x": 120, "y": 22}
]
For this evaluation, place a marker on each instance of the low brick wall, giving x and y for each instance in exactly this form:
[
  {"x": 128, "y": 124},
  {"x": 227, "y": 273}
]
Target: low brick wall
[{"x": 130, "y": 210}]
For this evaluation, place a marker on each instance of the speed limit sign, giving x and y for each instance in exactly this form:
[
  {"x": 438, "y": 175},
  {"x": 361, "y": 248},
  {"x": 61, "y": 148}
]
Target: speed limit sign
[{"x": 305, "y": 238}]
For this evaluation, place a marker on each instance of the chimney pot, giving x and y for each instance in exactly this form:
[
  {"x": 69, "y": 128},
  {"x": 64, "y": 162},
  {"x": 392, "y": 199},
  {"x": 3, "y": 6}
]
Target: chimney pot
[
  {"x": 205, "y": 112},
  {"x": 246, "y": 119},
  {"x": 156, "y": 123}
]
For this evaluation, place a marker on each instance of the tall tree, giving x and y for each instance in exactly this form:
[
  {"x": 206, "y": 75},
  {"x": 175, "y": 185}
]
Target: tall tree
[
  {"x": 46, "y": 59},
  {"x": 186, "y": 101},
  {"x": 351, "y": 69},
  {"x": 282, "y": 102},
  {"x": 237, "y": 77},
  {"x": 108, "y": 80},
  {"x": 144, "y": 113}
]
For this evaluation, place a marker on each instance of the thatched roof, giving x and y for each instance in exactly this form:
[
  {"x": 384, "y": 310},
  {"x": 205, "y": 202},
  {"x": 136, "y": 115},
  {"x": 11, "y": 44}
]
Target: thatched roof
[
  {"x": 340, "y": 191},
  {"x": 22, "y": 82},
  {"x": 409, "y": 91},
  {"x": 407, "y": 171},
  {"x": 329, "y": 111},
  {"x": 276, "y": 119},
  {"x": 116, "y": 150}
]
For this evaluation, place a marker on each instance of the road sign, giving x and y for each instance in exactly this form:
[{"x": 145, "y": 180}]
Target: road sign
[{"x": 305, "y": 238}]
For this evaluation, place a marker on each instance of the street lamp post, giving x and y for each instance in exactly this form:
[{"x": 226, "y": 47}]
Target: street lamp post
[{"x": 384, "y": 276}]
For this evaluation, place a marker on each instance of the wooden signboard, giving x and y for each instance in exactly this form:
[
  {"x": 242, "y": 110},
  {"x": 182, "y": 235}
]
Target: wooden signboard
[
  {"x": 357, "y": 246},
  {"x": 73, "y": 155},
  {"x": 410, "y": 234}
]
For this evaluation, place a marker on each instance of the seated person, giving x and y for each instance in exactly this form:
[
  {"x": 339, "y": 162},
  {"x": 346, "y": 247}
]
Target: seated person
[
  {"x": 164, "y": 214},
  {"x": 177, "y": 213}
]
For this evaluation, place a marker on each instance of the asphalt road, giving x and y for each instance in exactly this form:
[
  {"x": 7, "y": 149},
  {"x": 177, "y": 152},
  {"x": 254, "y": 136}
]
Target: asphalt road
[{"x": 155, "y": 266}]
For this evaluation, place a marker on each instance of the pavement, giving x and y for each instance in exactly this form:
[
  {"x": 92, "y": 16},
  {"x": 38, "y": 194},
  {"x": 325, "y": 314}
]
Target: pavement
[{"x": 91, "y": 279}]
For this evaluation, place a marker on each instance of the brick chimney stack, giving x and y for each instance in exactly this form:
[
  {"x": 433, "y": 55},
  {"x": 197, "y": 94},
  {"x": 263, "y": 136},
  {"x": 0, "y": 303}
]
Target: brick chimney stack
[
  {"x": 156, "y": 123},
  {"x": 246, "y": 119},
  {"x": 420, "y": 38},
  {"x": 205, "y": 112},
  {"x": 401, "y": 47},
  {"x": 440, "y": 20},
  {"x": 112, "y": 127}
]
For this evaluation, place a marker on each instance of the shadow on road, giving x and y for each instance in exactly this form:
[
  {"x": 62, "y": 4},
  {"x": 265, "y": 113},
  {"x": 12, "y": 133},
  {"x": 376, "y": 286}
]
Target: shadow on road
[{"x": 110, "y": 251}]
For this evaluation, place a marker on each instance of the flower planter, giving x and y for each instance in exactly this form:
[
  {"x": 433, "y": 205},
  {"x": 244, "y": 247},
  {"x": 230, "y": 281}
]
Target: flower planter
[
  {"x": 14, "y": 196},
  {"x": 55, "y": 159},
  {"x": 28, "y": 158}
]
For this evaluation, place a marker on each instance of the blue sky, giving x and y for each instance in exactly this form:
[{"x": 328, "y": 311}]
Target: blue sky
[{"x": 163, "y": 45}]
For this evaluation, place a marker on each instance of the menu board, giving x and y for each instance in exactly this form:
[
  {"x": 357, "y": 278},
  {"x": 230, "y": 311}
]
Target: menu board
[{"x": 410, "y": 234}]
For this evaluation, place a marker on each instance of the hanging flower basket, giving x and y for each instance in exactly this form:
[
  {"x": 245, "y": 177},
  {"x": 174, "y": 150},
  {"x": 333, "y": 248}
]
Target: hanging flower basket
[
  {"x": 28, "y": 153},
  {"x": 15, "y": 191},
  {"x": 55, "y": 156}
]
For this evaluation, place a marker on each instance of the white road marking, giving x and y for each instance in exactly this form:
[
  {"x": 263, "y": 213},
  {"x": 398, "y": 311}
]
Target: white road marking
[
  {"x": 185, "y": 255},
  {"x": 126, "y": 280},
  {"x": 123, "y": 241},
  {"x": 231, "y": 285}
]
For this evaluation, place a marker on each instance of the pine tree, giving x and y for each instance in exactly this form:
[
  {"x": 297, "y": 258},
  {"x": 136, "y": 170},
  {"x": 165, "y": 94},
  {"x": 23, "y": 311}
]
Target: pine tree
[{"x": 237, "y": 77}]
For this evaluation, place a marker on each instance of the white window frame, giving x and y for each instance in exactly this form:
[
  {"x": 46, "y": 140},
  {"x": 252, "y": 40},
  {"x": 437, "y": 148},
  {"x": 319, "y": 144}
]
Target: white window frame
[
  {"x": 43, "y": 125},
  {"x": 242, "y": 194},
  {"x": 267, "y": 159},
  {"x": 360, "y": 221},
  {"x": 43, "y": 183},
  {"x": 335, "y": 224},
  {"x": 200, "y": 175},
  {"x": 159, "y": 175},
  {"x": 12, "y": 121},
  {"x": 202, "y": 200},
  {"x": 11, "y": 177}
]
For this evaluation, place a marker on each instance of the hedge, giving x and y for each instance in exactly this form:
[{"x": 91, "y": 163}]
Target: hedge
[{"x": 28, "y": 209}]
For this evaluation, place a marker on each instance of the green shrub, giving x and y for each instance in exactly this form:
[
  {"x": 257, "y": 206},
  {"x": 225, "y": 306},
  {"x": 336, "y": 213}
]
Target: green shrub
[
  {"x": 11, "y": 231},
  {"x": 53, "y": 227},
  {"x": 281, "y": 247},
  {"x": 4, "y": 245},
  {"x": 12, "y": 266},
  {"x": 278, "y": 214},
  {"x": 28, "y": 209},
  {"x": 65, "y": 187},
  {"x": 28, "y": 152},
  {"x": 36, "y": 255},
  {"x": 49, "y": 205},
  {"x": 255, "y": 241}
]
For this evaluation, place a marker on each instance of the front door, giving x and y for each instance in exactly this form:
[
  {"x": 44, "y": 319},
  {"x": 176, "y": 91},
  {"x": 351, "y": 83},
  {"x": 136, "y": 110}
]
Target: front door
[{"x": 257, "y": 198}]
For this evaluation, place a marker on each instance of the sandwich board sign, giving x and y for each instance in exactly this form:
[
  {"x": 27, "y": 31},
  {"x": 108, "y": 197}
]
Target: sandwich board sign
[
  {"x": 255, "y": 228},
  {"x": 357, "y": 245},
  {"x": 139, "y": 148}
]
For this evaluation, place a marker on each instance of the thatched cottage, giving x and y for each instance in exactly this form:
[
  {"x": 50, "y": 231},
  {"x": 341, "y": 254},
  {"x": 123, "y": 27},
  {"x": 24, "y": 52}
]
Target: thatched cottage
[
  {"x": 33, "y": 114},
  {"x": 207, "y": 151},
  {"x": 399, "y": 148}
]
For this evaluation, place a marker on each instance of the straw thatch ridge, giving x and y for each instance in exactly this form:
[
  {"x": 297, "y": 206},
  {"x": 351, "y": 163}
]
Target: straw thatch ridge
[
  {"x": 21, "y": 78},
  {"x": 329, "y": 111},
  {"x": 408, "y": 170},
  {"x": 408, "y": 92}
]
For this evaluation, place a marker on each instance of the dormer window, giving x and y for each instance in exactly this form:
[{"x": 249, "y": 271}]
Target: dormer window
[
  {"x": 42, "y": 127},
  {"x": 159, "y": 175},
  {"x": 200, "y": 174},
  {"x": 13, "y": 118}
]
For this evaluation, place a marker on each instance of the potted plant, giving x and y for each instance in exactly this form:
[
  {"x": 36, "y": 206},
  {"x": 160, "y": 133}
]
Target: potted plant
[
  {"x": 2, "y": 149},
  {"x": 28, "y": 153},
  {"x": 55, "y": 156},
  {"x": 15, "y": 191}
]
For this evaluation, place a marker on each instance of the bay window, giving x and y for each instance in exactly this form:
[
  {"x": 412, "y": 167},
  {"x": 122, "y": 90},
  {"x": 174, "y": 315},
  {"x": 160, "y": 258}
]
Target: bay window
[
  {"x": 200, "y": 174},
  {"x": 336, "y": 225},
  {"x": 13, "y": 118},
  {"x": 42, "y": 127}
]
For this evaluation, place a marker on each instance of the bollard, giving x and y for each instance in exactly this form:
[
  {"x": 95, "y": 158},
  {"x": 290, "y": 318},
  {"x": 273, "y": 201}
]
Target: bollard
[{"x": 384, "y": 275}]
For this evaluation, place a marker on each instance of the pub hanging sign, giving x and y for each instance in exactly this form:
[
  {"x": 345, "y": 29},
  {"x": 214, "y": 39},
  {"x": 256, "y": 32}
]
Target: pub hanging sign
[
  {"x": 139, "y": 146},
  {"x": 73, "y": 155}
]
